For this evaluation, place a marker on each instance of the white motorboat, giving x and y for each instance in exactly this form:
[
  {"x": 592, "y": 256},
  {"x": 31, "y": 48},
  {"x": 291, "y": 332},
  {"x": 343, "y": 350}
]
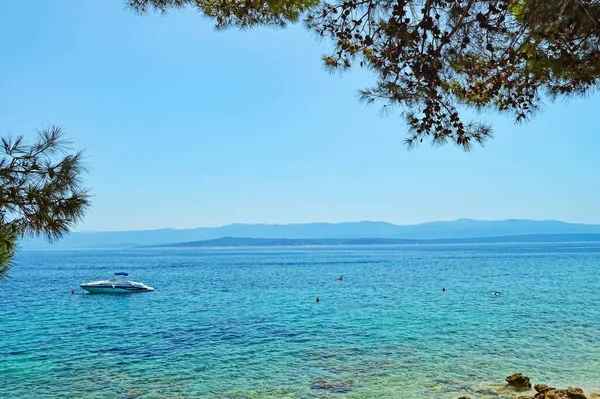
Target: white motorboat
[{"x": 116, "y": 285}]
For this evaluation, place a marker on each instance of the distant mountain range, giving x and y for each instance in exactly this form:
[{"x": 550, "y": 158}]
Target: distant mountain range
[
  {"x": 235, "y": 242},
  {"x": 458, "y": 229}
]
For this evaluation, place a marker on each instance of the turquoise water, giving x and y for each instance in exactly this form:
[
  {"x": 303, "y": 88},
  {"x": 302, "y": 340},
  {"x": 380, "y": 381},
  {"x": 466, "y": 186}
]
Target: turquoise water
[{"x": 245, "y": 324}]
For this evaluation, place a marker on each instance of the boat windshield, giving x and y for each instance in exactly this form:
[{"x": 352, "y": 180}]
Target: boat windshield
[{"x": 119, "y": 277}]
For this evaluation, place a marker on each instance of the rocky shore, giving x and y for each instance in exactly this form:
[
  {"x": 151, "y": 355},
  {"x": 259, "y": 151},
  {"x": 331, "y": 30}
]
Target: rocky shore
[{"x": 520, "y": 382}]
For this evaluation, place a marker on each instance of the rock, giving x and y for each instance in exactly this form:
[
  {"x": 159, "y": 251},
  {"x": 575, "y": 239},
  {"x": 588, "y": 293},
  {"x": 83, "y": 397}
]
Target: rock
[
  {"x": 541, "y": 388},
  {"x": 594, "y": 395},
  {"x": 464, "y": 397},
  {"x": 331, "y": 386},
  {"x": 575, "y": 393},
  {"x": 545, "y": 392},
  {"x": 555, "y": 394},
  {"x": 519, "y": 381}
]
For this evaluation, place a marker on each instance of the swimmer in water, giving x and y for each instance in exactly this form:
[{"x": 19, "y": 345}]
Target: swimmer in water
[
  {"x": 443, "y": 289},
  {"x": 497, "y": 293},
  {"x": 341, "y": 278}
]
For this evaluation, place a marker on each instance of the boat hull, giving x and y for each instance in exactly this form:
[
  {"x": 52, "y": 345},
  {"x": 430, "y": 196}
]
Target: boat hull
[{"x": 115, "y": 289}]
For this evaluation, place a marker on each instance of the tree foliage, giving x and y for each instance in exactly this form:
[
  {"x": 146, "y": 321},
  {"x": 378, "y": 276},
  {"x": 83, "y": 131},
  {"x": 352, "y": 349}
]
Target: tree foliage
[
  {"x": 436, "y": 58},
  {"x": 228, "y": 13},
  {"x": 41, "y": 192}
]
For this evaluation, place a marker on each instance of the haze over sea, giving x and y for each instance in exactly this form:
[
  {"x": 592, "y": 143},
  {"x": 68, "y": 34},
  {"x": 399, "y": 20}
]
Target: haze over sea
[{"x": 244, "y": 323}]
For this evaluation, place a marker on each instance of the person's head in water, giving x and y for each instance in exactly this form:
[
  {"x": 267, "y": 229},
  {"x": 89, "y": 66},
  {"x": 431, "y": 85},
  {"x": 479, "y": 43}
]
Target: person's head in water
[
  {"x": 443, "y": 289},
  {"x": 318, "y": 299},
  {"x": 341, "y": 278}
]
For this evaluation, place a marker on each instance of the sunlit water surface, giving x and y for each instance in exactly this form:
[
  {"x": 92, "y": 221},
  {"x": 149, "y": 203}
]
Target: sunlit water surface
[{"x": 245, "y": 323}]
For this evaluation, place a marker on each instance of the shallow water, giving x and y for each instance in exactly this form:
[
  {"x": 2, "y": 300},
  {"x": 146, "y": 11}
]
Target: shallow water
[{"x": 245, "y": 324}]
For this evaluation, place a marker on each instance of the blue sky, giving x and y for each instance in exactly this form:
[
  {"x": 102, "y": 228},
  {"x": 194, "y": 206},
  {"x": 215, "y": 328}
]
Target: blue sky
[{"x": 188, "y": 127}]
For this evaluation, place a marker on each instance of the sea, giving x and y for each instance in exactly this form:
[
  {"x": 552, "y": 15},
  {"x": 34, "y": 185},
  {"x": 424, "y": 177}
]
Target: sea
[{"x": 245, "y": 323}]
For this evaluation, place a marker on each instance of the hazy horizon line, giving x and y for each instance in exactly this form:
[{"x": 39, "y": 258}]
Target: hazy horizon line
[{"x": 333, "y": 223}]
